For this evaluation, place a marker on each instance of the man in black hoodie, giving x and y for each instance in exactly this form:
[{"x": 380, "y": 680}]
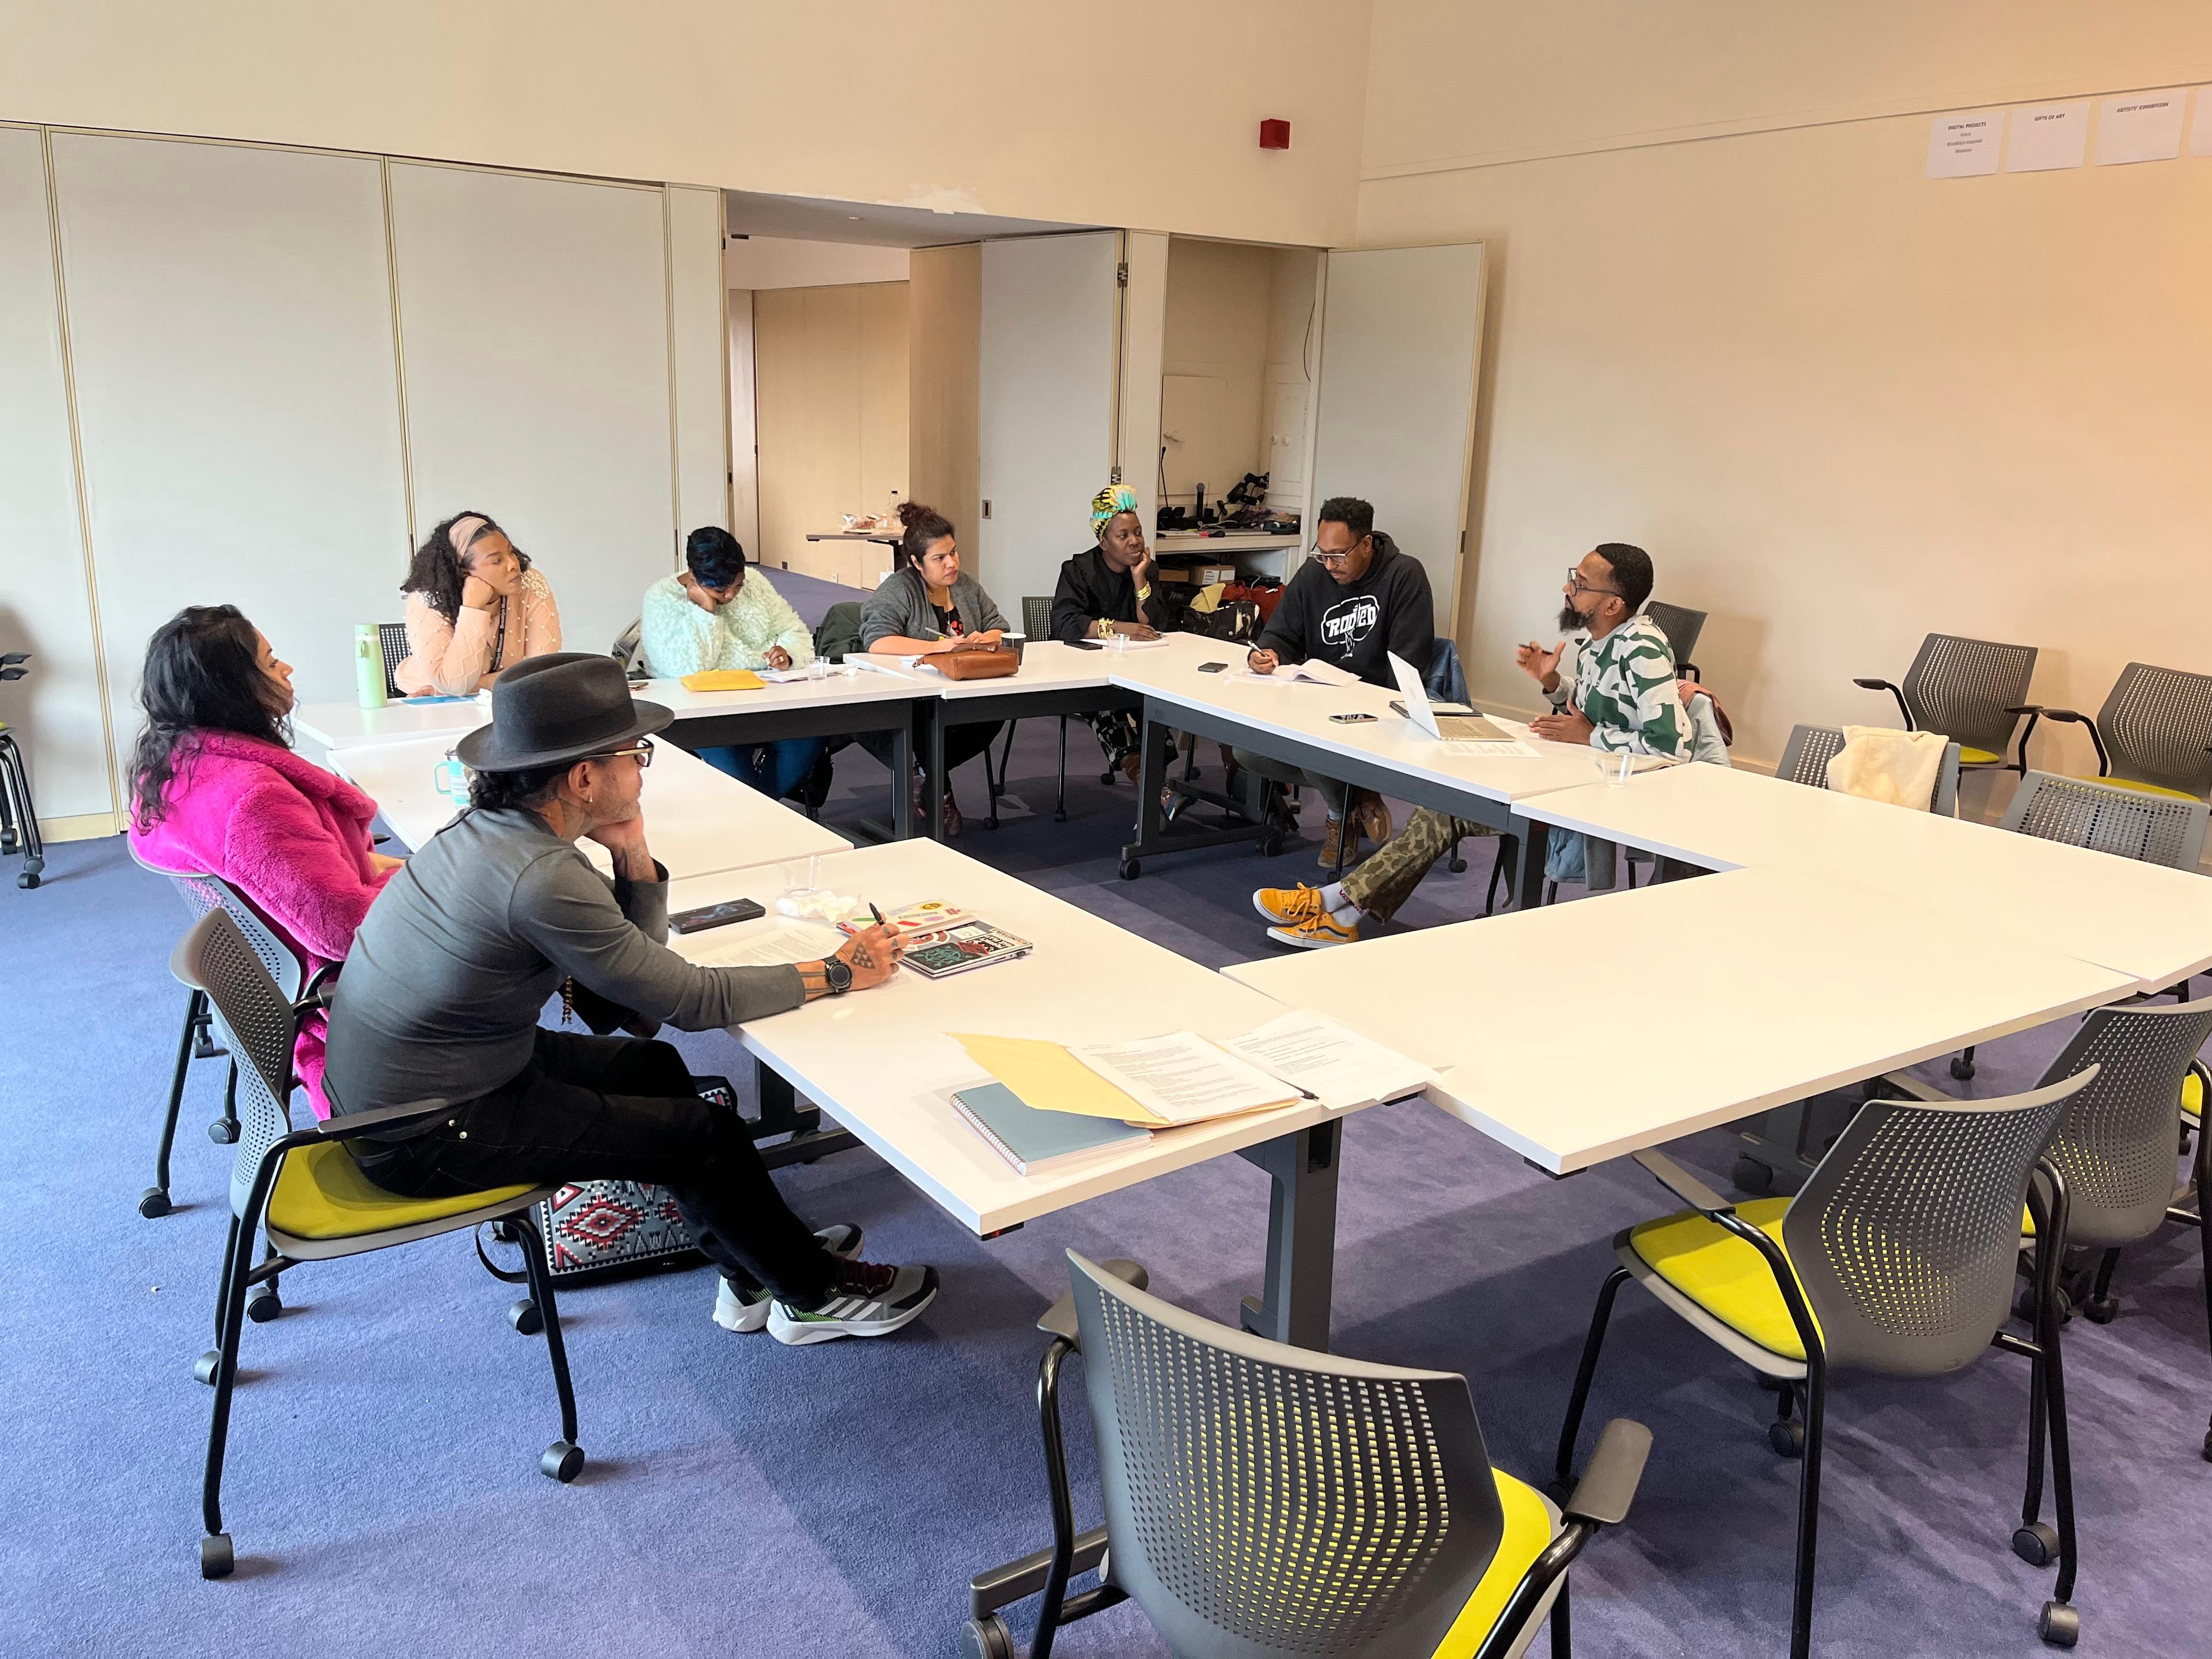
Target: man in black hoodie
[{"x": 1354, "y": 604}]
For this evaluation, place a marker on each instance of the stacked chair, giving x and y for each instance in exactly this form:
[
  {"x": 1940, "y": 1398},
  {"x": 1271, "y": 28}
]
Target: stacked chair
[
  {"x": 1263, "y": 1499},
  {"x": 1897, "y": 1259},
  {"x": 301, "y": 1188}
]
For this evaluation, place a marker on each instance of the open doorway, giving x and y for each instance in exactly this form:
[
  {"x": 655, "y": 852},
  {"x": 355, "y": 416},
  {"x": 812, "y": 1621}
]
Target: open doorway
[{"x": 853, "y": 334}]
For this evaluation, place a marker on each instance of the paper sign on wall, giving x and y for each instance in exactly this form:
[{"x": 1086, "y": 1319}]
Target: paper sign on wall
[
  {"x": 1966, "y": 145},
  {"x": 2200, "y": 131},
  {"x": 2141, "y": 126},
  {"x": 2046, "y": 136}
]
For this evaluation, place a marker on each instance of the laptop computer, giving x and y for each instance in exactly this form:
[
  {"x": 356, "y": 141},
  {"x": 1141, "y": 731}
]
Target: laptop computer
[{"x": 1454, "y": 723}]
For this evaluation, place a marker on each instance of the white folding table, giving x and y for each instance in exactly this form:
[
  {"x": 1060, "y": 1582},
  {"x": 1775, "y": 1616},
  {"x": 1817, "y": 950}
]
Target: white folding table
[
  {"x": 881, "y": 1062},
  {"x": 696, "y": 820},
  {"x": 1575, "y": 1033}
]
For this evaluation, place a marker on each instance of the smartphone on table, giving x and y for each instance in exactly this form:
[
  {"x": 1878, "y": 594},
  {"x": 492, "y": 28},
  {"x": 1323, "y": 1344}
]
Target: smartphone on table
[
  {"x": 1352, "y": 719},
  {"x": 1211, "y": 667},
  {"x": 715, "y": 915}
]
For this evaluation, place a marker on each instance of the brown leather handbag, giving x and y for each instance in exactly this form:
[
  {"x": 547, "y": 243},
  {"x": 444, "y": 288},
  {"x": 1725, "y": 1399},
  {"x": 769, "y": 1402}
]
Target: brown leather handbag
[{"x": 974, "y": 662}]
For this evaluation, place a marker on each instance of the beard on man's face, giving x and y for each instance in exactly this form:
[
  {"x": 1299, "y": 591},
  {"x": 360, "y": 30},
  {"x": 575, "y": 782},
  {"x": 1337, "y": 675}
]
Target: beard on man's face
[{"x": 1570, "y": 618}]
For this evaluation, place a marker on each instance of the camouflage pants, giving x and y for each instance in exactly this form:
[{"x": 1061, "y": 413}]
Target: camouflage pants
[{"x": 1388, "y": 878}]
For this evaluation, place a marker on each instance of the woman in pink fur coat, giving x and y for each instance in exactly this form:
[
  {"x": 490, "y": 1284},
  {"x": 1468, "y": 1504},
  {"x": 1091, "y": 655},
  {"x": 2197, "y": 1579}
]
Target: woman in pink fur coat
[{"x": 217, "y": 790}]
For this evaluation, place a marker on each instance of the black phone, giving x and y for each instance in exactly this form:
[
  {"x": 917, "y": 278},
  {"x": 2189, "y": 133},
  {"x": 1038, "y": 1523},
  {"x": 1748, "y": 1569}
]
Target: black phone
[
  {"x": 1086, "y": 644},
  {"x": 714, "y": 916},
  {"x": 1211, "y": 667}
]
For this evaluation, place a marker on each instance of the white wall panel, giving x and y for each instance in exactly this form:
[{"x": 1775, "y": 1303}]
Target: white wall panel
[
  {"x": 231, "y": 328},
  {"x": 44, "y": 607},
  {"x": 696, "y": 301},
  {"x": 1045, "y": 406},
  {"x": 534, "y": 315}
]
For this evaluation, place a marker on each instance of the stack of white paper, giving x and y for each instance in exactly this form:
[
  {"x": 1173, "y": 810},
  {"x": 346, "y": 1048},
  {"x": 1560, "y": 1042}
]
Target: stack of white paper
[
  {"x": 1181, "y": 1077},
  {"x": 1331, "y": 1061}
]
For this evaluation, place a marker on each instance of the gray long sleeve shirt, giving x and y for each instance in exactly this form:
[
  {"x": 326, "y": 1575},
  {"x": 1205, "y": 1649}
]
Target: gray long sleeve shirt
[{"x": 441, "y": 991}]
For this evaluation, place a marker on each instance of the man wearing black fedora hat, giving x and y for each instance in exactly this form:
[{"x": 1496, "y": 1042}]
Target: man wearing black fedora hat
[{"x": 442, "y": 992}]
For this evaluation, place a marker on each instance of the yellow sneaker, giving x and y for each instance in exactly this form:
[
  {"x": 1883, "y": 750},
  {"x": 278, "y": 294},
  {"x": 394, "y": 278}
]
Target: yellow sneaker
[
  {"x": 1317, "y": 932},
  {"x": 1288, "y": 905}
]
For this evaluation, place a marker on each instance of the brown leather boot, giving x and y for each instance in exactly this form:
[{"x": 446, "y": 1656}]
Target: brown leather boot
[
  {"x": 1367, "y": 810},
  {"x": 1331, "y": 836}
]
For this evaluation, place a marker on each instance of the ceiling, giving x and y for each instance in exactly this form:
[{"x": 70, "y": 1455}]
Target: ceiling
[{"x": 802, "y": 218}]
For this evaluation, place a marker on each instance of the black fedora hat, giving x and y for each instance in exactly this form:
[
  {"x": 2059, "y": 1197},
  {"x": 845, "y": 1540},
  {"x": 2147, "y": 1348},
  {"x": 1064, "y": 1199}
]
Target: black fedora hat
[{"x": 560, "y": 706}]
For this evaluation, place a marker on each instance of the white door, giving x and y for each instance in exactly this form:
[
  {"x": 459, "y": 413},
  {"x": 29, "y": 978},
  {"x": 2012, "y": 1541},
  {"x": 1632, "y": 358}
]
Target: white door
[
  {"x": 1045, "y": 408},
  {"x": 1401, "y": 345}
]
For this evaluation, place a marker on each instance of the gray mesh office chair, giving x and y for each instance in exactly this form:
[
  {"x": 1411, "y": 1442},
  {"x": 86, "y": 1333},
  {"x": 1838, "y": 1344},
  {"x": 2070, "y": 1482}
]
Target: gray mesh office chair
[
  {"x": 2154, "y": 733},
  {"x": 19, "y": 816},
  {"x": 625, "y": 649},
  {"x": 2105, "y": 817},
  {"x": 392, "y": 638},
  {"x": 1896, "y": 1260},
  {"x": 1969, "y": 690},
  {"x": 1805, "y": 760},
  {"x": 202, "y": 893},
  {"x": 302, "y": 1188},
  {"x": 1681, "y": 626},
  {"x": 1263, "y": 1500},
  {"x": 1036, "y": 625},
  {"x": 2110, "y": 818}
]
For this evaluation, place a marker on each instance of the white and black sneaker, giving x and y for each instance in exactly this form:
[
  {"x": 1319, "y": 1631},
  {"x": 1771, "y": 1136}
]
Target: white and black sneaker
[
  {"x": 867, "y": 1300},
  {"x": 745, "y": 1308}
]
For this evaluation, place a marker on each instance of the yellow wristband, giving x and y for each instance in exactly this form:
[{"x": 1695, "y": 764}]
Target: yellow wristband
[{"x": 1145, "y": 592}]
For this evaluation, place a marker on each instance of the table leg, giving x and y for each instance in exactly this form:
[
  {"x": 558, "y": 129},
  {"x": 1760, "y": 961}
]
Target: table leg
[
  {"x": 1301, "y": 1236},
  {"x": 1529, "y": 879},
  {"x": 902, "y": 778},
  {"x": 781, "y": 1115},
  {"x": 933, "y": 784}
]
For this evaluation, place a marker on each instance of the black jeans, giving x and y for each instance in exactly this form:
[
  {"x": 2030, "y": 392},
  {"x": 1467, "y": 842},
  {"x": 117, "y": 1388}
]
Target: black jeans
[
  {"x": 961, "y": 744},
  {"x": 619, "y": 1109}
]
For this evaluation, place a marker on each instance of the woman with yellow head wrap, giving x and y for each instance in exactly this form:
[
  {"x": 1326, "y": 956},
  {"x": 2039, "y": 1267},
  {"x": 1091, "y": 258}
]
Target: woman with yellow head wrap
[{"x": 1107, "y": 590}]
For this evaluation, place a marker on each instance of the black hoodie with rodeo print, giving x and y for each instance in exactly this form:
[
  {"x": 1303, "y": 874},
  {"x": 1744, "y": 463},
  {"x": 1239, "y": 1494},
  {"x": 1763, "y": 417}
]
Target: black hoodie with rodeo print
[{"x": 1387, "y": 611}]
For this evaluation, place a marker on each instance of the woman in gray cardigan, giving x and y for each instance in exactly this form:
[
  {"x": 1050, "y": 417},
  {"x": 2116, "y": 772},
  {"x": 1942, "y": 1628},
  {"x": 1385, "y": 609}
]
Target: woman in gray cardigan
[{"x": 925, "y": 606}]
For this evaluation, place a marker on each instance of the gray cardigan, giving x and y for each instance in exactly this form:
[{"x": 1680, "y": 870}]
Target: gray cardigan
[
  {"x": 900, "y": 605},
  {"x": 441, "y": 991}
]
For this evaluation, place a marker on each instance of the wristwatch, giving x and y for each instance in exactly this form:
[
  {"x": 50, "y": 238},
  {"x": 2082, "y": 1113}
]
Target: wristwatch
[{"x": 837, "y": 973}]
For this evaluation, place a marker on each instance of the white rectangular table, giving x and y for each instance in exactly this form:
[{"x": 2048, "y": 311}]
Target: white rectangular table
[
  {"x": 880, "y": 1061},
  {"x": 2152, "y": 923},
  {"x": 697, "y": 820},
  {"x": 1767, "y": 985}
]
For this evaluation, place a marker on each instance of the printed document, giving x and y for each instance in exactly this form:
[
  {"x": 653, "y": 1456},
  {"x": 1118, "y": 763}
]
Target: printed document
[
  {"x": 1330, "y": 1060},
  {"x": 1181, "y": 1077}
]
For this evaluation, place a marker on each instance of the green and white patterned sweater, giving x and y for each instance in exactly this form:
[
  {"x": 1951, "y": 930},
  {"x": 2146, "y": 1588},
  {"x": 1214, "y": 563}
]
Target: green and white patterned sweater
[{"x": 1624, "y": 686}]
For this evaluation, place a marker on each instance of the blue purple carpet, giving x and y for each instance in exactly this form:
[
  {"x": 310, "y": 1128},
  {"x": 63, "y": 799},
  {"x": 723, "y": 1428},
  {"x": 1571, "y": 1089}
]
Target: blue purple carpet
[{"x": 745, "y": 1499}]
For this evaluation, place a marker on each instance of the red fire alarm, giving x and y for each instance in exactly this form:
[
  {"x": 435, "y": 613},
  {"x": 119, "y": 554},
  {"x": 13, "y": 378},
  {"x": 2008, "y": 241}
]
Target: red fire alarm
[{"x": 1274, "y": 135}]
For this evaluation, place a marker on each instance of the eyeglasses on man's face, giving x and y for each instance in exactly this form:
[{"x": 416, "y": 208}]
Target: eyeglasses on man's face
[
  {"x": 641, "y": 751},
  {"x": 1320, "y": 554},
  {"x": 1580, "y": 584}
]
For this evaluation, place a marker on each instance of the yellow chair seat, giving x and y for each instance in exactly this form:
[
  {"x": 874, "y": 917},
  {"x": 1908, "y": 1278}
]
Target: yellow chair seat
[
  {"x": 321, "y": 1194},
  {"x": 2192, "y": 1099},
  {"x": 2149, "y": 788},
  {"x": 1722, "y": 1275},
  {"x": 1969, "y": 755},
  {"x": 1528, "y": 1530}
]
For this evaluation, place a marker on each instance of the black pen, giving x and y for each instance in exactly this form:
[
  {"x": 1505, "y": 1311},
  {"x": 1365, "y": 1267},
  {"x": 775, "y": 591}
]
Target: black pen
[{"x": 877, "y": 913}]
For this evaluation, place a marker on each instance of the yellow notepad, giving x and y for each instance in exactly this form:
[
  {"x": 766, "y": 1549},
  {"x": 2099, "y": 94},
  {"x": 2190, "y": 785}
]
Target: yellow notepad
[
  {"x": 1045, "y": 1075},
  {"x": 723, "y": 679}
]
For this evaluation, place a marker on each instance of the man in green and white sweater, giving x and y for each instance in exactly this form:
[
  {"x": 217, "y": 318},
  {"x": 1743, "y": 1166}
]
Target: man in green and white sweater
[{"x": 720, "y": 613}]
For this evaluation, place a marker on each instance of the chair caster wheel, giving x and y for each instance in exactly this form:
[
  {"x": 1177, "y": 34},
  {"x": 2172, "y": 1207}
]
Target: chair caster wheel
[
  {"x": 563, "y": 1461},
  {"x": 27, "y": 880},
  {"x": 1788, "y": 1440},
  {"x": 1059, "y": 815},
  {"x": 263, "y": 1306},
  {"x": 2059, "y": 1625},
  {"x": 154, "y": 1203},
  {"x": 216, "y": 1558},
  {"x": 1130, "y": 869},
  {"x": 1964, "y": 1071},
  {"x": 205, "y": 1367},
  {"x": 2036, "y": 1543},
  {"x": 525, "y": 1318},
  {"x": 223, "y": 1132},
  {"x": 1458, "y": 864},
  {"x": 2207, "y": 1453},
  {"x": 1751, "y": 1176},
  {"x": 2101, "y": 1310},
  {"x": 1270, "y": 846},
  {"x": 987, "y": 1638}
]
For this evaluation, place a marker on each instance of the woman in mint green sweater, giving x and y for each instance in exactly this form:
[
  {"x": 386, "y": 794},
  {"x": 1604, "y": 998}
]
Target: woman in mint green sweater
[{"x": 719, "y": 614}]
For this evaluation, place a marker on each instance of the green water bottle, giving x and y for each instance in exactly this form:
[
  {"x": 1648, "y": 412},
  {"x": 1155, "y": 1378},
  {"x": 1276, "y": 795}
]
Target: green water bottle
[{"x": 368, "y": 666}]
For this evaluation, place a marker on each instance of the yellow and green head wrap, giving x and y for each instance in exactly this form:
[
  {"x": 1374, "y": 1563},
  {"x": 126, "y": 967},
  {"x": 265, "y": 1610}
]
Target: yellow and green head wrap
[{"x": 1115, "y": 498}]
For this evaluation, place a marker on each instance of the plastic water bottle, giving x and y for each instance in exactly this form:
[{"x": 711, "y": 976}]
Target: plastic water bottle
[{"x": 368, "y": 666}]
